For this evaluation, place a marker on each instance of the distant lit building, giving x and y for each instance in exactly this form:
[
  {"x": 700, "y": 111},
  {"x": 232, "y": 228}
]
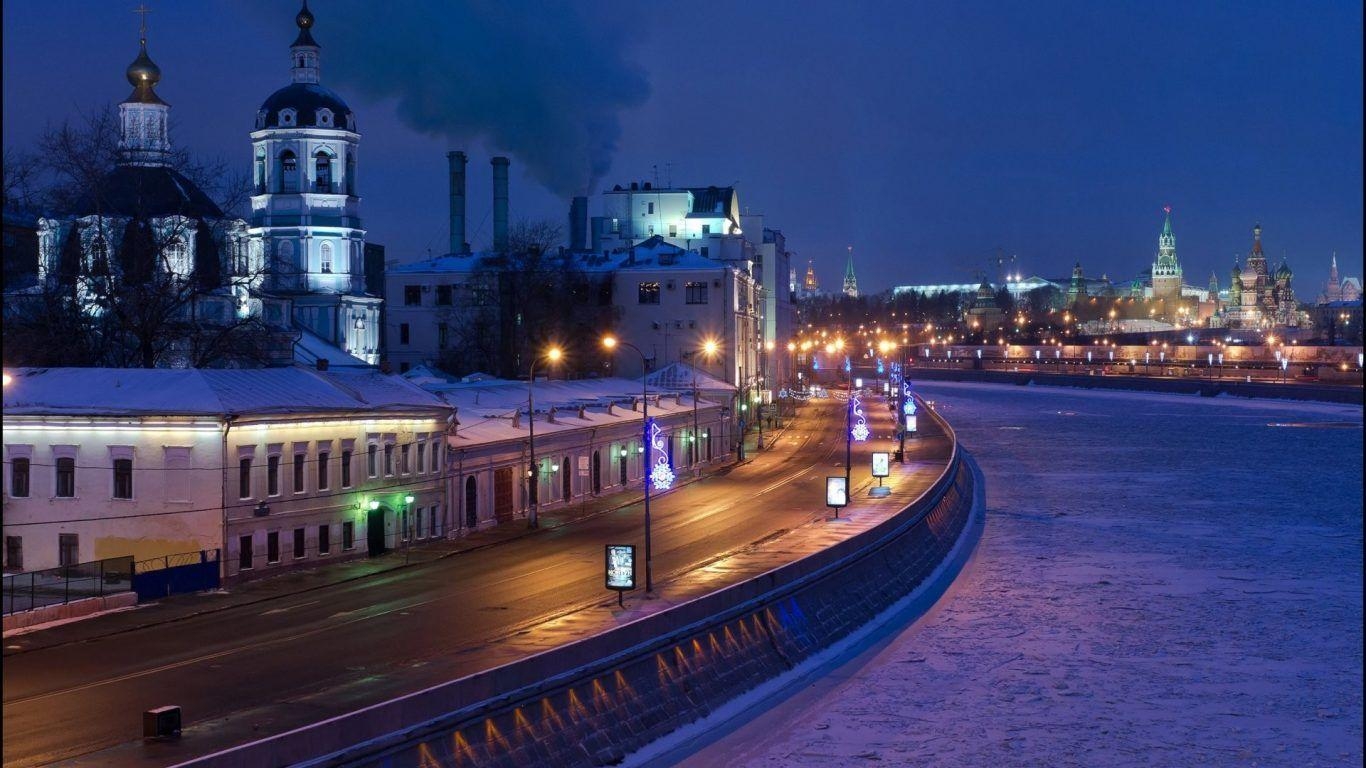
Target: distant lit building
[
  {"x": 1166, "y": 273},
  {"x": 850, "y": 282},
  {"x": 1339, "y": 289},
  {"x": 305, "y": 206},
  {"x": 1258, "y": 298},
  {"x": 810, "y": 285},
  {"x": 985, "y": 314}
]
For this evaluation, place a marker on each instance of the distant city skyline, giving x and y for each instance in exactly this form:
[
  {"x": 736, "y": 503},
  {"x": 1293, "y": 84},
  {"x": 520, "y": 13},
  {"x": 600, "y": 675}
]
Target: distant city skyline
[{"x": 928, "y": 138}]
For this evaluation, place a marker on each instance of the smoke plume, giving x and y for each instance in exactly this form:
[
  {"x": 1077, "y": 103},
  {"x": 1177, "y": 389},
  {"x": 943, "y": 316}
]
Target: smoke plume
[{"x": 528, "y": 78}]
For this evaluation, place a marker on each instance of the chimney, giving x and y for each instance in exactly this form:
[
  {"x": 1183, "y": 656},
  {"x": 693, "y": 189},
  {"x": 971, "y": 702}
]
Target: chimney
[
  {"x": 578, "y": 223},
  {"x": 500, "y": 204},
  {"x": 456, "y": 163}
]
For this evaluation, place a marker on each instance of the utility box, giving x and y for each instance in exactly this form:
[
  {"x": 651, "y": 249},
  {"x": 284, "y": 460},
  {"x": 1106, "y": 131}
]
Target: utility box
[{"x": 161, "y": 723}]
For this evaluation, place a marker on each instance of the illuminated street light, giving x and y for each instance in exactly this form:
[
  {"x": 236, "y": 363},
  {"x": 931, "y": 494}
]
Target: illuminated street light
[
  {"x": 553, "y": 355},
  {"x": 611, "y": 342}
]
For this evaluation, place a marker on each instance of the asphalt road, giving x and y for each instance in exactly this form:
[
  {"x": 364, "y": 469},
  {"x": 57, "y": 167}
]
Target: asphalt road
[{"x": 247, "y": 672}]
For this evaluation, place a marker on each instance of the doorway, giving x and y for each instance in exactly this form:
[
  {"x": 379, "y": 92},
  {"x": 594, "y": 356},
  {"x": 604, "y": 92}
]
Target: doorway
[
  {"x": 375, "y": 521},
  {"x": 597, "y": 472},
  {"x": 471, "y": 503},
  {"x": 502, "y": 494},
  {"x": 566, "y": 480},
  {"x": 622, "y": 470}
]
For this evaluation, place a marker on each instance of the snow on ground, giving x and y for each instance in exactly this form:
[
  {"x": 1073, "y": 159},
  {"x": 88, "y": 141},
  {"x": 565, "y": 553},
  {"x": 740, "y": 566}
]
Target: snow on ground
[{"x": 1163, "y": 581}]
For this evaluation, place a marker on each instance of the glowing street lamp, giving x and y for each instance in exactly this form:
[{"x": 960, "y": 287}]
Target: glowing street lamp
[
  {"x": 611, "y": 342},
  {"x": 553, "y": 356}
]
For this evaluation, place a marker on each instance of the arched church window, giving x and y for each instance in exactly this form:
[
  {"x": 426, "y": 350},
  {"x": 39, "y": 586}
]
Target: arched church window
[
  {"x": 260, "y": 171},
  {"x": 289, "y": 172},
  {"x": 351, "y": 171},
  {"x": 322, "y": 167},
  {"x": 177, "y": 258},
  {"x": 326, "y": 257}
]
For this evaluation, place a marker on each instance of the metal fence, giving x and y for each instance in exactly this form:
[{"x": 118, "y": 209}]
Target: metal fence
[
  {"x": 35, "y": 589},
  {"x": 176, "y": 574}
]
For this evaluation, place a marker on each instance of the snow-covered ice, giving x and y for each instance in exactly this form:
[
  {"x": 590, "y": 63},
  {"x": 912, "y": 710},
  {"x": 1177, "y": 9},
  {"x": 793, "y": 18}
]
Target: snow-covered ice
[{"x": 1162, "y": 581}]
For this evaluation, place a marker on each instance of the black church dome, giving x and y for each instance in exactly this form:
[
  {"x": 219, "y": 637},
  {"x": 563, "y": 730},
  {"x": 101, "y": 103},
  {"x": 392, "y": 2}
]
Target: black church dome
[{"x": 307, "y": 100}]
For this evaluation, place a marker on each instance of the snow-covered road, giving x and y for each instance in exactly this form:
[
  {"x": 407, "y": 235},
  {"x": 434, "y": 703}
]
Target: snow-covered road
[{"x": 1163, "y": 581}]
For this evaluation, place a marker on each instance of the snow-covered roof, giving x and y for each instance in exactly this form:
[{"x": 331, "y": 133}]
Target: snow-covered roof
[
  {"x": 215, "y": 392},
  {"x": 423, "y": 374},
  {"x": 680, "y": 377},
  {"x": 487, "y": 408},
  {"x": 312, "y": 348},
  {"x": 451, "y": 262}
]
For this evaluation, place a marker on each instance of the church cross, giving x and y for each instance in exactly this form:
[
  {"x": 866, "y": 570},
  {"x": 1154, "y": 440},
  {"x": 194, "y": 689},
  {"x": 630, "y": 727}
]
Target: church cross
[{"x": 143, "y": 10}]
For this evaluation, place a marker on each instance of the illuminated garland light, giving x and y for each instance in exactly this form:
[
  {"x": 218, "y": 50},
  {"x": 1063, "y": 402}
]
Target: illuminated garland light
[
  {"x": 661, "y": 474},
  {"x": 859, "y": 431}
]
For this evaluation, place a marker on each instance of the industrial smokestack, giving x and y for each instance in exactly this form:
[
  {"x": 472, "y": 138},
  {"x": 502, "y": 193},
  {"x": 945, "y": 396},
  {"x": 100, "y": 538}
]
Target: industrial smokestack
[
  {"x": 500, "y": 204},
  {"x": 578, "y": 223},
  {"x": 456, "y": 161}
]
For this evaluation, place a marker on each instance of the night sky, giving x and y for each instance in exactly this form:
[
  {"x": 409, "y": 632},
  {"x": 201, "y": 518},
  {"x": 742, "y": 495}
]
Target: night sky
[{"x": 925, "y": 135}]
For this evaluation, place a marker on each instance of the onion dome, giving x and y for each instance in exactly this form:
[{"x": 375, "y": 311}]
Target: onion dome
[
  {"x": 305, "y": 23},
  {"x": 1283, "y": 271},
  {"x": 143, "y": 74}
]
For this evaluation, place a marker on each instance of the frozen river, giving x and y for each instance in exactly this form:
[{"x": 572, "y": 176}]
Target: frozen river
[{"x": 1163, "y": 581}]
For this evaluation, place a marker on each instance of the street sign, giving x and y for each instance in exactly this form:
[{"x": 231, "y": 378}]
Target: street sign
[
  {"x": 882, "y": 464},
  {"x": 621, "y": 567},
  {"x": 836, "y": 492}
]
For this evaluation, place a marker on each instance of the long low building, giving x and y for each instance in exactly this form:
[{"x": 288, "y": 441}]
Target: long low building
[
  {"x": 286, "y": 467},
  {"x": 271, "y": 467},
  {"x": 589, "y": 440}
]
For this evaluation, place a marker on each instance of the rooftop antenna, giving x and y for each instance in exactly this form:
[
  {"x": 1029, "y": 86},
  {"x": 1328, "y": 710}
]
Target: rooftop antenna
[
  {"x": 655, "y": 169},
  {"x": 669, "y": 175}
]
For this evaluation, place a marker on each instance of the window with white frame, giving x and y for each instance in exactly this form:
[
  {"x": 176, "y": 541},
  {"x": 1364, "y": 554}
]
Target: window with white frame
[
  {"x": 20, "y": 469},
  {"x": 64, "y": 471},
  {"x": 325, "y": 257},
  {"x": 121, "y": 458}
]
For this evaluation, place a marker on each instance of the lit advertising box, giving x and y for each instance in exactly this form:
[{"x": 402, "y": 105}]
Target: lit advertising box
[
  {"x": 836, "y": 492},
  {"x": 621, "y": 567},
  {"x": 882, "y": 464},
  {"x": 910, "y": 422}
]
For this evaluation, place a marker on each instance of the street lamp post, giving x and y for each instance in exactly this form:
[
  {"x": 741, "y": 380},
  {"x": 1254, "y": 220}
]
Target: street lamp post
[
  {"x": 611, "y": 342},
  {"x": 709, "y": 348},
  {"x": 407, "y": 505},
  {"x": 553, "y": 355},
  {"x": 901, "y": 408}
]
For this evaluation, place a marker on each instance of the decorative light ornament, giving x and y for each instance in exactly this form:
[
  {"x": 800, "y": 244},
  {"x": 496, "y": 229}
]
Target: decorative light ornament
[
  {"x": 661, "y": 474},
  {"x": 859, "y": 431}
]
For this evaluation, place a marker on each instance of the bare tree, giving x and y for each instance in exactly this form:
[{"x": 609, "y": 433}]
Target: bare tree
[
  {"x": 545, "y": 299},
  {"x": 142, "y": 270}
]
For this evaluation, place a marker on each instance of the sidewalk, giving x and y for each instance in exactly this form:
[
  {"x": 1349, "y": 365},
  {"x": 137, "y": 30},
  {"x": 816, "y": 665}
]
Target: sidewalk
[{"x": 181, "y": 607}]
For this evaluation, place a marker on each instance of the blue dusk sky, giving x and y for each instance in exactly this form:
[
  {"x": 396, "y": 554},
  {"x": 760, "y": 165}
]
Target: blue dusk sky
[{"x": 925, "y": 135}]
